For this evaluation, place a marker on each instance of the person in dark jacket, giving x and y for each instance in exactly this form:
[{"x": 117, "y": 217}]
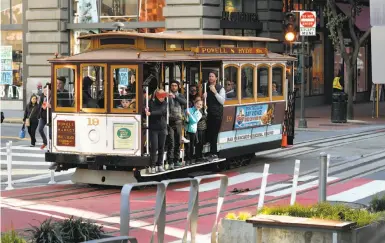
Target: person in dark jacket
[
  {"x": 157, "y": 112},
  {"x": 177, "y": 102},
  {"x": 32, "y": 114},
  {"x": 2, "y": 117},
  {"x": 43, "y": 119},
  {"x": 215, "y": 95}
]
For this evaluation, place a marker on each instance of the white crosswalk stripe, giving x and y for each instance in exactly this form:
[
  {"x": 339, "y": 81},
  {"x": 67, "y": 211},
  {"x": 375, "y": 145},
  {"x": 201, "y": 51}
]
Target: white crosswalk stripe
[{"x": 29, "y": 166}]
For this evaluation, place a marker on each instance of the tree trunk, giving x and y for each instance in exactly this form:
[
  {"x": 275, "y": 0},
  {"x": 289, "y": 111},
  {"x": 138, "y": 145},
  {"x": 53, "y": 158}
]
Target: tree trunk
[{"x": 349, "y": 76}]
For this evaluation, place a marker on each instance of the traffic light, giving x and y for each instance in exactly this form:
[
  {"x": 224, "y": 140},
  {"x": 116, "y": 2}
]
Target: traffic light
[{"x": 290, "y": 27}]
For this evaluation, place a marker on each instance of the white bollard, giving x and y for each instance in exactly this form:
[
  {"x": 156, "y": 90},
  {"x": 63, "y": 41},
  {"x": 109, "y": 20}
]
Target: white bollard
[
  {"x": 52, "y": 181},
  {"x": 327, "y": 166},
  {"x": 263, "y": 186},
  {"x": 295, "y": 182},
  {"x": 9, "y": 166}
]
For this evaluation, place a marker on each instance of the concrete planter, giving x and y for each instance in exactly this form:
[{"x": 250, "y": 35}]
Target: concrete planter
[{"x": 230, "y": 231}]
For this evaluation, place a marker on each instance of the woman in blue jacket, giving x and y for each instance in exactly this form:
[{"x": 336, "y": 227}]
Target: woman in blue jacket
[{"x": 193, "y": 115}]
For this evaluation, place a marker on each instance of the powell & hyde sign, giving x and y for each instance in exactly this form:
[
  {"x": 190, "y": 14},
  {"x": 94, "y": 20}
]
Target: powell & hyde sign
[{"x": 230, "y": 50}]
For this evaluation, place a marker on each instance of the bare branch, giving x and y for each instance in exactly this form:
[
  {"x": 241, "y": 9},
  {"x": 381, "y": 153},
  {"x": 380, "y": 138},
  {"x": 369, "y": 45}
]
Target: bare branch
[{"x": 364, "y": 36}]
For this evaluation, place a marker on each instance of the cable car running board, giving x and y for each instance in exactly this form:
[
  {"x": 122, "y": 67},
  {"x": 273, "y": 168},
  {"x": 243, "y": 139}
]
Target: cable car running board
[{"x": 144, "y": 173}]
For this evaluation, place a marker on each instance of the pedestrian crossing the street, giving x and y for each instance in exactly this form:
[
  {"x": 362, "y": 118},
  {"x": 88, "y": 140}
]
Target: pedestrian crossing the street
[{"x": 28, "y": 165}]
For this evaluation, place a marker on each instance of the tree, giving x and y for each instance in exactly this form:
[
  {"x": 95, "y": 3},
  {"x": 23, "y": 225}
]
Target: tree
[{"x": 336, "y": 23}]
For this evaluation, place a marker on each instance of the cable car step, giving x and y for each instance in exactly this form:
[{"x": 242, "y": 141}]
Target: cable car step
[{"x": 145, "y": 174}]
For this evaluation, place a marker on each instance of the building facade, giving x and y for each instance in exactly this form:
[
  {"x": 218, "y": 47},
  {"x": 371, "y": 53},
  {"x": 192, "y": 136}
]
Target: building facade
[{"x": 33, "y": 31}]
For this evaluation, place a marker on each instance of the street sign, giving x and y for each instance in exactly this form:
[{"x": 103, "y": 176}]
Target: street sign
[
  {"x": 377, "y": 12},
  {"x": 378, "y": 53},
  {"x": 307, "y": 23}
]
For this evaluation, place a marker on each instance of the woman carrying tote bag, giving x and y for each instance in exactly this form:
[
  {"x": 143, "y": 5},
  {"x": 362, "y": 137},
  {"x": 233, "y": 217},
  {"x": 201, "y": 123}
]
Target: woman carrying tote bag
[{"x": 30, "y": 119}]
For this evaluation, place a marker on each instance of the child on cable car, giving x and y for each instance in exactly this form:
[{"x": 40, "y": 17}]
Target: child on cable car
[{"x": 193, "y": 115}]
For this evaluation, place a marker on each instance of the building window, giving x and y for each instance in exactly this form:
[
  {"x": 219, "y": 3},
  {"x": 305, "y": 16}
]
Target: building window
[
  {"x": 234, "y": 11},
  {"x": 233, "y": 32},
  {"x": 11, "y": 12},
  {"x": 5, "y": 12},
  {"x": 95, "y": 11},
  {"x": 119, "y": 11},
  {"x": 17, "y": 12},
  {"x": 233, "y": 5},
  {"x": 11, "y": 83}
]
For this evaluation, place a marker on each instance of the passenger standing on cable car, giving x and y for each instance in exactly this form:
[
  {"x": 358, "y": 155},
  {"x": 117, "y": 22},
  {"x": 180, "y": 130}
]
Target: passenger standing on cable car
[
  {"x": 216, "y": 97},
  {"x": 176, "y": 104},
  {"x": 157, "y": 112},
  {"x": 43, "y": 119},
  {"x": 193, "y": 95}
]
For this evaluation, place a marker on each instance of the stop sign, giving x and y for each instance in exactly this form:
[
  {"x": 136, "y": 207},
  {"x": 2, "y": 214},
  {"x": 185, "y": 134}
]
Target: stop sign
[{"x": 308, "y": 20}]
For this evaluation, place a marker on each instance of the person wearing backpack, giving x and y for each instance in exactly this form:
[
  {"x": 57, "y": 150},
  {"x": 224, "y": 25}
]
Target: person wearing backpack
[{"x": 31, "y": 118}]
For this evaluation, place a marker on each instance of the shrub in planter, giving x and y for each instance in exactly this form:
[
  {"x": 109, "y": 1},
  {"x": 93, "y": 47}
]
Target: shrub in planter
[
  {"x": 47, "y": 232},
  {"x": 241, "y": 216},
  {"x": 77, "y": 230},
  {"x": 65, "y": 231},
  {"x": 326, "y": 211},
  {"x": 377, "y": 204},
  {"x": 11, "y": 237}
]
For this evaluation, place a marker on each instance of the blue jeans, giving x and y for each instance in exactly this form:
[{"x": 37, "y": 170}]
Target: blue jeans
[{"x": 42, "y": 124}]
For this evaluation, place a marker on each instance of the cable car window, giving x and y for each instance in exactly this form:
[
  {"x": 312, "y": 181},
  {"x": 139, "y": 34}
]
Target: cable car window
[
  {"x": 93, "y": 87},
  {"x": 263, "y": 82},
  {"x": 65, "y": 88},
  {"x": 124, "y": 89},
  {"x": 247, "y": 80},
  {"x": 277, "y": 81},
  {"x": 231, "y": 82}
]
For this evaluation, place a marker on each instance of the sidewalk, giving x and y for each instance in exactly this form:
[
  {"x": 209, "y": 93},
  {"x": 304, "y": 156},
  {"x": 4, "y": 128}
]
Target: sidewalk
[{"x": 318, "y": 118}]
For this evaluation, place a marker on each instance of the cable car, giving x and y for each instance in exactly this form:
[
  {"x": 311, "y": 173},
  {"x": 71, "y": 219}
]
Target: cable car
[{"x": 99, "y": 97}]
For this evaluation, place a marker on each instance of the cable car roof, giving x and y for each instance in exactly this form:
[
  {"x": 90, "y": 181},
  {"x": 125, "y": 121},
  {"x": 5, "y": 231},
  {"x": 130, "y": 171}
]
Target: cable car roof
[
  {"x": 178, "y": 35},
  {"x": 128, "y": 54}
]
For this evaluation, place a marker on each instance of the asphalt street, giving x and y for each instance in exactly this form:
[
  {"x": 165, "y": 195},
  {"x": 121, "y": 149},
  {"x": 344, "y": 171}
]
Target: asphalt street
[{"x": 29, "y": 168}]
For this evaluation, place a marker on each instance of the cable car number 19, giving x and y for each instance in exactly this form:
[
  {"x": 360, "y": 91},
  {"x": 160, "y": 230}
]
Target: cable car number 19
[{"x": 93, "y": 121}]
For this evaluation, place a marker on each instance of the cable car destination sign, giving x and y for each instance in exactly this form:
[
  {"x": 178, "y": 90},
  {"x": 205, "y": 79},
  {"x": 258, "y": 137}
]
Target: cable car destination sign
[
  {"x": 307, "y": 23},
  {"x": 230, "y": 50}
]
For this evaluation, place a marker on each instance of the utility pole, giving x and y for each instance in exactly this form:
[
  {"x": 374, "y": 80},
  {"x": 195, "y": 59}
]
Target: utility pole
[{"x": 302, "y": 121}]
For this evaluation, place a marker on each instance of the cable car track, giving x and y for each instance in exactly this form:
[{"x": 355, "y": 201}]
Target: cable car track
[{"x": 364, "y": 160}]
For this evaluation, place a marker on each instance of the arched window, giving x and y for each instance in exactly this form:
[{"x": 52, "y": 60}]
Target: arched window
[
  {"x": 93, "y": 83},
  {"x": 124, "y": 88},
  {"x": 65, "y": 93},
  {"x": 263, "y": 82},
  {"x": 277, "y": 85},
  {"x": 231, "y": 82},
  {"x": 247, "y": 81}
]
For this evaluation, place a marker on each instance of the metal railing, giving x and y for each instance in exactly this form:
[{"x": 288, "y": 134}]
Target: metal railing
[
  {"x": 160, "y": 206},
  {"x": 116, "y": 239}
]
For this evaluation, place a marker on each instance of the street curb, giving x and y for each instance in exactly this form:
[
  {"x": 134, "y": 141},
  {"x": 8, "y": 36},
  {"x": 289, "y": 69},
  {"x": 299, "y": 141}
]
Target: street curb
[{"x": 13, "y": 120}]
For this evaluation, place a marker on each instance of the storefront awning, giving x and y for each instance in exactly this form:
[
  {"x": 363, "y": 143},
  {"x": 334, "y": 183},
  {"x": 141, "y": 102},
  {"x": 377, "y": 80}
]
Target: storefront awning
[{"x": 362, "y": 20}]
